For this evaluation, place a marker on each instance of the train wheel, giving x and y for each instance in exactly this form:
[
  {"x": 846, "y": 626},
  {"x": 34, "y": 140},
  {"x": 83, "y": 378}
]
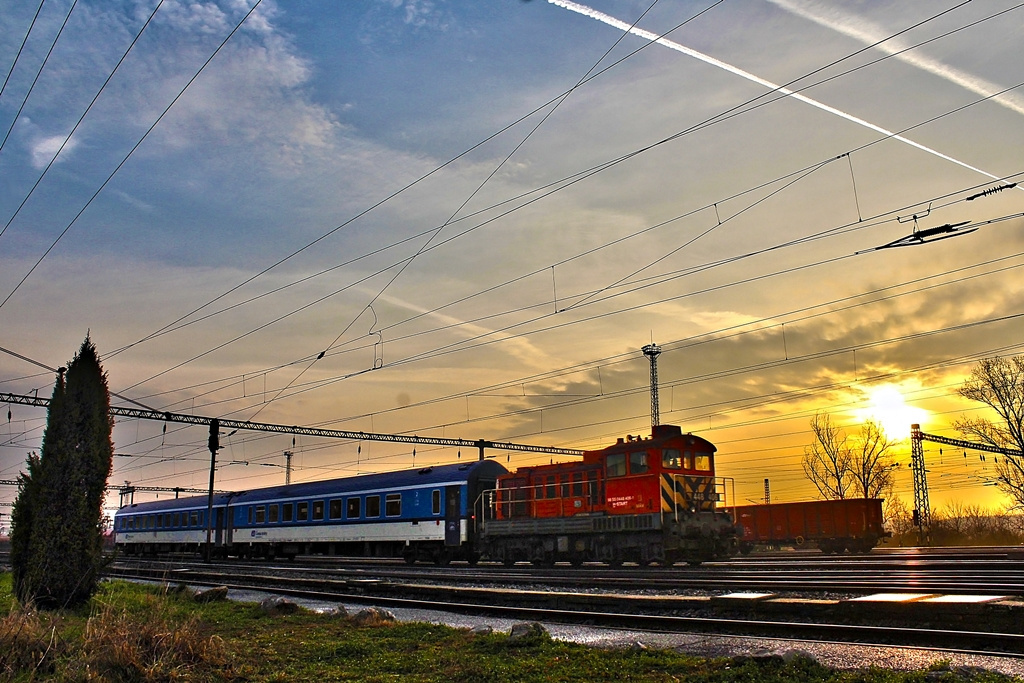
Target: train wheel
[
  {"x": 410, "y": 558},
  {"x": 443, "y": 558},
  {"x": 615, "y": 562},
  {"x": 473, "y": 559},
  {"x": 508, "y": 561},
  {"x": 577, "y": 560}
]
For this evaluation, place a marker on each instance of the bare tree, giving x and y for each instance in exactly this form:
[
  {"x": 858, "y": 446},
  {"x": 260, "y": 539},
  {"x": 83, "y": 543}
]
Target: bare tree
[
  {"x": 871, "y": 463},
  {"x": 841, "y": 467},
  {"x": 828, "y": 460},
  {"x": 898, "y": 517},
  {"x": 999, "y": 384}
]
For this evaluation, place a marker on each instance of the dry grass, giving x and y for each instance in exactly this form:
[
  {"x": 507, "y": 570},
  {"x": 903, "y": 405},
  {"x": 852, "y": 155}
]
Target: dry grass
[{"x": 117, "y": 644}]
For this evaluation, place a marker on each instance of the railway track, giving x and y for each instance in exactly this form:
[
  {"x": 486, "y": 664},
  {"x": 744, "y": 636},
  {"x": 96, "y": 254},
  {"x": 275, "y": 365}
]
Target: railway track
[
  {"x": 985, "y": 573},
  {"x": 665, "y": 601}
]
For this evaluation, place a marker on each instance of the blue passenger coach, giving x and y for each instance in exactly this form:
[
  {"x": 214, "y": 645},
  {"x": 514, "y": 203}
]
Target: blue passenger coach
[{"x": 424, "y": 514}]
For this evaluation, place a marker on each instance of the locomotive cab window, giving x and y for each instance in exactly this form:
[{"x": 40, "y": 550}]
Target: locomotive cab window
[
  {"x": 352, "y": 508},
  {"x": 616, "y": 465},
  {"x": 702, "y": 462},
  {"x": 301, "y": 512},
  {"x": 435, "y": 502},
  {"x": 638, "y": 463},
  {"x": 393, "y": 505},
  {"x": 671, "y": 459},
  {"x": 334, "y": 512},
  {"x": 373, "y": 506}
]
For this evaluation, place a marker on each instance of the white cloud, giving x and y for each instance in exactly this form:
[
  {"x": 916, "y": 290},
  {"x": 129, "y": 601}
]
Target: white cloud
[{"x": 42, "y": 149}]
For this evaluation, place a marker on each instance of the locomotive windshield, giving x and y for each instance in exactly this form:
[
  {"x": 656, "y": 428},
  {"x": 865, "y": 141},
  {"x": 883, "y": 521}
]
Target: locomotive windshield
[
  {"x": 638, "y": 463},
  {"x": 702, "y": 462},
  {"x": 616, "y": 465},
  {"x": 671, "y": 459}
]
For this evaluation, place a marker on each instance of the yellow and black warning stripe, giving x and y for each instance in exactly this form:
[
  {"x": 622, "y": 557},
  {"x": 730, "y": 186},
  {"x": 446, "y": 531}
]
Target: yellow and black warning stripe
[{"x": 684, "y": 492}]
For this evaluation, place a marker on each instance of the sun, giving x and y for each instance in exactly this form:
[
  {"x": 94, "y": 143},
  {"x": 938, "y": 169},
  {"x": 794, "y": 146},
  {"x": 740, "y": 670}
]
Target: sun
[{"x": 888, "y": 408}]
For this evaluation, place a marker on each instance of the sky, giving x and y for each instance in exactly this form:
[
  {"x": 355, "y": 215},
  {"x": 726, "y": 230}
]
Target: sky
[{"x": 465, "y": 219}]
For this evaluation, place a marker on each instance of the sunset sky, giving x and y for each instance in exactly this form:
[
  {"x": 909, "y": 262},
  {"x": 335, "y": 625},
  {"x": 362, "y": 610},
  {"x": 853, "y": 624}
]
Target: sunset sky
[{"x": 477, "y": 213}]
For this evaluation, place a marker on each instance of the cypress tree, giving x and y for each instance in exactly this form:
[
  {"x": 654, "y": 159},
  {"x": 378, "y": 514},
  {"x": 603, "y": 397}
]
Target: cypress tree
[{"x": 56, "y": 527}]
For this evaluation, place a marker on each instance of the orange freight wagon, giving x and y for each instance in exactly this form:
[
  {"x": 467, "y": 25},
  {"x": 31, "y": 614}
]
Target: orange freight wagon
[{"x": 853, "y": 524}]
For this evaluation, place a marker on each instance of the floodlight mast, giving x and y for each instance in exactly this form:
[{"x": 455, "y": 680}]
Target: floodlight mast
[{"x": 652, "y": 351}]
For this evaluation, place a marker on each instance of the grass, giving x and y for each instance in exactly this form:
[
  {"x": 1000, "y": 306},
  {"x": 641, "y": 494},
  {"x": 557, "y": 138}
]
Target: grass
[{"x": 131, "y": 632}]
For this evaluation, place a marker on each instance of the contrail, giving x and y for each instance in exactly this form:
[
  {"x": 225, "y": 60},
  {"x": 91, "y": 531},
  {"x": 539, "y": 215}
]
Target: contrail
[
  {"x": 654, "y": 37},
  {"x": 870, "y": 34}
]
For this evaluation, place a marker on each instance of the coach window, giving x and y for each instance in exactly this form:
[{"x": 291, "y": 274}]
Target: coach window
[
  {"x": 638, "y": 463},
  {"x": 393, "y": 505},
  {"x": 318, "y": 510},
  {"x": 671, "y": 459},
  {"x": 435, "y": 502},
  {"x": 250, "y": 514},
  {"x": 158, "y": 522},
  {"x": 616, "y": 465},
  {"x": 194, "y": 518},
  {"x": 552, "y": 487},
  {"x": 352, "y": 506},
  {"x": 334, "y": 511},
  {"x": 150, "y": 522},
  {"x": 261, "y": 514},
  {"x": 287, "y": 512},
  {"x": 373, "y": 506},
  {"x": 272, "y": 514},
  {"x": 301, "y": 512},
  {"x": 177, "y": 519},
  {"x": 702, "y": 462}
]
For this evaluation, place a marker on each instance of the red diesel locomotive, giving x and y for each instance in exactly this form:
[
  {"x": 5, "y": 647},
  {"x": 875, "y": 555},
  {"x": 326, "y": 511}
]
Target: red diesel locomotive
[{"x": 641, "y": 500}]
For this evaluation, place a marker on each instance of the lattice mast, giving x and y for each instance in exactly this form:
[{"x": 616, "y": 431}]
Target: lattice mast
[{"x": 652, "y": 351}]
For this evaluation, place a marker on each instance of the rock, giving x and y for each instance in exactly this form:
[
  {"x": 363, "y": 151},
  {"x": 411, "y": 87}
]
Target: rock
[
  {"x": 182, "y": 590},
  {"x": 481, "y": 630},
  {"x": 373, "y": 616},
  {"x": 337, "y": 611},
  {"x": 215, "y": 594},
  {"x": 527, "y": 631},
  {"x": 637, "y": 646},
  {"x": 275, "y": 606}
]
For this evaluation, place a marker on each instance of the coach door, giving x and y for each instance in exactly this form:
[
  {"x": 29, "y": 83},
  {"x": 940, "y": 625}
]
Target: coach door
[
  {"x": 452, "y": 516},
  {"x": 229, "y": 526},
  {"x": 218, "y": 516}
]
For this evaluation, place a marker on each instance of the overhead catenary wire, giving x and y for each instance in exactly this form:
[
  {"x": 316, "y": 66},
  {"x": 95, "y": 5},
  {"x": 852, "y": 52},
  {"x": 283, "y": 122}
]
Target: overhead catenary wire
[
  {"x": 21, "y": 48},
  {"x": 124, "y": 160},
  {"x": 78, "y": 123},
  {"x": 721, "y": 117}
]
